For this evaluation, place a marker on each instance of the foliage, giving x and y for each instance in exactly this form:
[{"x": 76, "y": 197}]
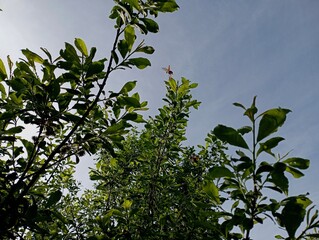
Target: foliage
[
  {"x": 155, "y": 187},
  {"x": 148, "y": 185},
  {"x": 243, "y": 180},
  {"x": 69, "y": 111}
]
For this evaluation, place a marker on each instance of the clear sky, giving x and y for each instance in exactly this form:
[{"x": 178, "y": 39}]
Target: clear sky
[{"x": 234, "y": 49}]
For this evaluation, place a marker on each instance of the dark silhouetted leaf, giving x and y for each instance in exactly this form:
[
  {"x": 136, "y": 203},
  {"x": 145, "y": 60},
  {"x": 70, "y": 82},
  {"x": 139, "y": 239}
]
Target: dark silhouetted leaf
[
  {"x": 268, "y": 145},
  {"x": 230, "y": 136},
  {"x": 95, "y": 68},
  {"x": 293, "y": 213},
  {"x": 219, "y": 172},
  {"x": 270, "y": 122},
  {"x": 54, "y": 198},
  {"x": 140, "y": 63},
  {"x": 150, "y": 25}
]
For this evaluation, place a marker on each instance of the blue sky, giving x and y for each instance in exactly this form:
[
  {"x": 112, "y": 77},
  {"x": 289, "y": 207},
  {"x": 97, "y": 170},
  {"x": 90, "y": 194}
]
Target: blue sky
[{"x": 233, "y": 49}]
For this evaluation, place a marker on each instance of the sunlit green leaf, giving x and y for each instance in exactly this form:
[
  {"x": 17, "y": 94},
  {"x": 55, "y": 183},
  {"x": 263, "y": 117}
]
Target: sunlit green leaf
[
  {"x": 212, "y": 191},
  {"x": 129, "y": 35},
  {"x": 127, "y": 204},
  {"x": 115, "y": 127},
  {"x": 294, "y": 172},
  {"x": 129, "y": 86},
  {"x": 172, "y": 84},
  {"x": 31, "y": 56},
  {"x": 81, "y": 46},
  {"x": 167, "y": 6},
  {"x": 3, "y": 73}
]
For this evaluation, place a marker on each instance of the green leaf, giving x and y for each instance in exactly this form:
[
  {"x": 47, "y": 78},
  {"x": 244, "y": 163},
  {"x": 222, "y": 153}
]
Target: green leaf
[
  {"x": 278, "y": 177},
  {"x": 269, "y": 144},
  {"x": 294, "y": 172},
  {"x": 32, "y": 57},
  {"x": 3, "y": 91},
  {"x": 127, "y": 204},
  {"x": 54, "y": 89},
  {"x": 71, "y": 117},
  {"x": 64, "y": 100},
  {"x": 7, "y": 115},
  {"x": 230, "y": 136},
  {"x": 172, "y": 84},
  {"x": 115, "y": 57},
  {"x": 239, "y": 105},
  {"x": 313, "y": 235},
  {"x": 244, "y": 130},
  {"x": 54, "y": 198},
  {"x": 3, "y": 73},
  {"x": 123, "y": 48},
  {"x": 130, "y": 116},
  {"x": 29, "y": 146},
  {"x": 70, "y": 54},
  {"x": 293, "y": 213},
  {"x": 14, "y": 130},
  {"x": 219, "y": 172},
  {"x": 115, "y": 127},
  {"x": 129, "y": 35},
  {"x": 167, "y": 6},
  {"x": 128, "y": 87},
  {"x": 270, "y": 122},
  {"x": 150, "y": 25},
  {"x": 296, "y": 162},
  {"x": 130, "y": 102},
  {"x": 146, "y": 49},
  {"x": 140, "y": 63},
  {"x": 17, "y": 85},
  {"x": 264, "y": 167},
  {"x": 47, "y": 53},
  {"x": 193, "y": 85},
  {"x": 250, "y": 112},
  {"x": 212, "y": 191},
  {"x": 133, "y": 3},
  {"x": 81, "y": 46},
  {"x": 95, "y": 68}
]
